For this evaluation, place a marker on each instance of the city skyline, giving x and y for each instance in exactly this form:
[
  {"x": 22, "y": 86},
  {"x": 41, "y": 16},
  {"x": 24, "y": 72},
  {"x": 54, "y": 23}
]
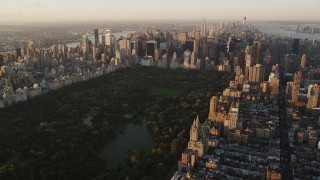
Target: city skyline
[
  {"x": 205, "y": 94},
  {"x": 18, "y": 11}
]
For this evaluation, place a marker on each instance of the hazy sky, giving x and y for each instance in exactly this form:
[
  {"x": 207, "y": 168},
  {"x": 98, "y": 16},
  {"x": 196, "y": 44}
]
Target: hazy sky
[{"x": 66, "y": 10}]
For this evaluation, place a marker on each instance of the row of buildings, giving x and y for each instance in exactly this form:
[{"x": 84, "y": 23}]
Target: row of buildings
[{"x": 241, "y": 137}]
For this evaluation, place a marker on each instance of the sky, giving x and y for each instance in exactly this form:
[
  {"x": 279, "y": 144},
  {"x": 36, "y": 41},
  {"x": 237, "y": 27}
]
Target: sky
[{"x": 115, "y": 10}]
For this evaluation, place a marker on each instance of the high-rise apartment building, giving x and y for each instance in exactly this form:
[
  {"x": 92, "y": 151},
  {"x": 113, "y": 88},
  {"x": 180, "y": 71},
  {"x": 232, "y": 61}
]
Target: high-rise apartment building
[
  {"x": 189, "y": 157},
  {"x": 303, "y": 63},
  {"x": 291, "y": 63},
  {"x": 256, "y": 73},
  {"x": 313, "y": 96},
  {"x": 213, "y": 107},
  {"x": 233, "y": 117},
  {"x": 296, "y": 86},
  {"x": 197, "y": 141},
  {"x": 274, "y": 82}
]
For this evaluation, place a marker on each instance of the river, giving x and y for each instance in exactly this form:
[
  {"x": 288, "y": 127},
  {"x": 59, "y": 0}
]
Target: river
[
  {"x": 135, "y": 136},
  {"x": 275, "y": 28}
]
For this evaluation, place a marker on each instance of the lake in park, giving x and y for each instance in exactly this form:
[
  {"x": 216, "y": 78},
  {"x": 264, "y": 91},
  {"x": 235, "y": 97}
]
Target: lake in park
[{"x": 135, "y": 136}]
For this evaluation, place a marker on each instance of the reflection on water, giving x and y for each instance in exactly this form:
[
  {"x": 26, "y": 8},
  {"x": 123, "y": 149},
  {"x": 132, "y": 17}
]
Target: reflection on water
[{"x": 135, "y": 136}]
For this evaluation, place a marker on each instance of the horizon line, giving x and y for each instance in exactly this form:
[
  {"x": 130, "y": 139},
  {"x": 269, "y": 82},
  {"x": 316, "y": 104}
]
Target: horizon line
[{"x": 147, "y": 21}]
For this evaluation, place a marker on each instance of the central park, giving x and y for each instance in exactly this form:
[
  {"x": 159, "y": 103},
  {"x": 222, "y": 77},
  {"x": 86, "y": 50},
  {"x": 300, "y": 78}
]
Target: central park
[{"x": 46, "y": 137}]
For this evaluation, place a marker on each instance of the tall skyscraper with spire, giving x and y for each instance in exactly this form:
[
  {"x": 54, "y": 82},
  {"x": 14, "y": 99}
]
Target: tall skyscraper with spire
[
  {"x": 195, "y": 130},
  {"x": 203, "y": 28},
  {"x": 244, "y": 21},
  {"x": 198, "y": 142}
]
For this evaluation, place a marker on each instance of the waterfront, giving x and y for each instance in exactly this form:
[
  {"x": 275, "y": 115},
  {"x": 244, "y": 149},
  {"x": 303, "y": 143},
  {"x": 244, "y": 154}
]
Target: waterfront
[{"x": 275, "y": 28}]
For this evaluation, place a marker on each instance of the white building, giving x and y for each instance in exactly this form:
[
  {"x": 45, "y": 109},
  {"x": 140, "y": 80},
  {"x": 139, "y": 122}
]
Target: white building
[
  {"x": 33, "y": 91},
  {"x": 108, "y": 38},
  {"x": 55, "y": 84},
  {"x": 147, "y": 61},
  {"x": 20, "y": 95}
]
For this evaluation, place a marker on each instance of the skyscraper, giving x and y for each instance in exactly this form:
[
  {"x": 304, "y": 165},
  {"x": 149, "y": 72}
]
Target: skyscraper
[
  {"x": 18, "y": 52},
  {"x": 248, "y": 56},
  {"x": 151, "y": 47},
  {"x": 254, "y": 53},
  {"x": 244, "y": 21},
  {"x": 125, "y": 47},
  {"x": 1, "y": 60},
  {"x": 303, "y": 61},
  {"x": 203, "y": 28},
  {"x": 242, "y": 61},
  {"x": 102, "y": 39},
  {"x": 213, "y": 107},
  {"x": 233, "y": 116},
  {"x": 197, "y": 141},
  {"x": 256, "y": 73},
  {"x": 188, "y": 45},
  {"x": 260, "y": 53},
  {"x": 182, "y": 37},
  {"x": 108, "y": 37},
  {"x": 291, "y": 63},
  {"x": 295, "y": 46},
  {"x": 85, "y": 43},
  {"x": 274, "y": 83},
  {"x": 198, "y": 35},
  {"x": 196, "y": 47},
  {"x": 313, "y": 95},
  {"x": 96, "y": 37},
  {"x": 296, "y": 86}
]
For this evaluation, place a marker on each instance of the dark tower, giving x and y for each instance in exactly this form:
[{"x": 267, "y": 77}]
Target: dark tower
[
  {"x": 188, "y": 45},
  {"x": 255, "y": 53},
  {"x": 295, "y": 46},
  {"x": 260, "y": 53},
  {"x": 1, "y": 60},
  {"x": 96, "y": 37},
  {"x": 18, "y": 51},
  {"x": 151, "y": 47}
]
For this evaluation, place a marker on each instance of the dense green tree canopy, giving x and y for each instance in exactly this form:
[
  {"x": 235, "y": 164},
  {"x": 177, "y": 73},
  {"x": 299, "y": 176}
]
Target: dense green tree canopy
[{"x": 45, "y": 138}]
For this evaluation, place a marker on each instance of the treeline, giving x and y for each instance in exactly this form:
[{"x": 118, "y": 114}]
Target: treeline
[{"x": 45, "y": 137}]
